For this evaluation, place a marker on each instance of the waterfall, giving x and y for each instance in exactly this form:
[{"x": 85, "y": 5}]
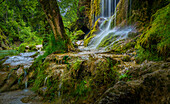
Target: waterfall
[
  {"x": 109, "y": 11},
  {"x": 106, "y": 27},
  {"x": 97, "y": 39},
  {"x": 102, "y": 8},
  {"x": 115, "y": 13},
  {"x": 107, "y": 8}
]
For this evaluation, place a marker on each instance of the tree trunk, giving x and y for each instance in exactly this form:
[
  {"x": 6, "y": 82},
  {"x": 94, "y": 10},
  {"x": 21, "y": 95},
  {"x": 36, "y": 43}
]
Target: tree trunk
[{"x": 53, "y": 16}]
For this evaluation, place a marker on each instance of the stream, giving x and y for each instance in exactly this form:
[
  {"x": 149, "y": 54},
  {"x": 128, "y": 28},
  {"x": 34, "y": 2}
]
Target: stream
[{"x": 25, "y": 96}]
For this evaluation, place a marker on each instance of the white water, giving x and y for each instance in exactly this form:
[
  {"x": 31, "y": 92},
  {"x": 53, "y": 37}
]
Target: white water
[
  {"x": 105, "y": 29},
  {"x": 120, "y": 33},
  {"x": 102, "y": 8},
  {"x": 59, "y": 92},
  {"x": 107, "y": 8},
  {"x": 99, "y": 37},
  {"x": 109, "y": 11}
]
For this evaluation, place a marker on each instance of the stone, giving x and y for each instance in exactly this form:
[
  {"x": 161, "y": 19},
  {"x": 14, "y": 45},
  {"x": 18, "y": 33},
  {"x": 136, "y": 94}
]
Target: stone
[
  {"x": 150, "y": 86},
  {"x": 4, "y": 76}
]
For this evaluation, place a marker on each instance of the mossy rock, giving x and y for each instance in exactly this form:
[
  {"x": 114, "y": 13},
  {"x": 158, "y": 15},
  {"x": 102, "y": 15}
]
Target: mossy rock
[
  {"x": 155, "y": 41},
  {"x": 79, "y": 34},
  {"x": 86, "y": 41},
  {"x": 111, "y": 37},
  {"x": 92, "y": 33}
]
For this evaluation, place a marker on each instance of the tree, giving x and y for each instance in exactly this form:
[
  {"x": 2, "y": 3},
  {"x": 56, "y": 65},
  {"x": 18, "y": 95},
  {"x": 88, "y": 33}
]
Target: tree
[{"x": 52, "y": 11}]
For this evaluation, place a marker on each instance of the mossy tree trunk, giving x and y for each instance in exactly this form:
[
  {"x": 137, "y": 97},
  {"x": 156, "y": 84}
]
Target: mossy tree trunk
[{"x": 53, "y": 16}]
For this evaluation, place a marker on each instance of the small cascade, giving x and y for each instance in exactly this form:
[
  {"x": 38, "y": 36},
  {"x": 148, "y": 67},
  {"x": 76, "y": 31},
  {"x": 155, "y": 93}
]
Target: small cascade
[
  {"x": 97, "y": 39},
  {"x": 59, "y": 89},
  {"x": 45, "y": 81}
]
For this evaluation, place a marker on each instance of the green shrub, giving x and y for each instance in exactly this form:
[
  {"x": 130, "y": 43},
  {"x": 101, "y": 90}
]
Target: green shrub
[
  {"x": 4, "y": 53},
  {"x": 82, "y": 8},
  {"x": 22, "y": 48}
]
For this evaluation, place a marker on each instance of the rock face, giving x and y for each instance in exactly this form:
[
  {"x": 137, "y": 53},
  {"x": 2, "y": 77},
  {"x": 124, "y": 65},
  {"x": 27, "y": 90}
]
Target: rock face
[
  {"x": 151, "y": 86},
  {"x": 14, "y": 71}
]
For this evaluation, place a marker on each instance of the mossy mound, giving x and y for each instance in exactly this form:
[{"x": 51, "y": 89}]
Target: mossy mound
[
  {"x": 110, "y": 38},
  {"x": 155, "y": 41}
]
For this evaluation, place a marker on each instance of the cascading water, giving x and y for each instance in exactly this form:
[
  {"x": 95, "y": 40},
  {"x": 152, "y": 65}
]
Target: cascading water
[
  {"x": 107, "y": 8},
  {"x": 107, "y": 30}
]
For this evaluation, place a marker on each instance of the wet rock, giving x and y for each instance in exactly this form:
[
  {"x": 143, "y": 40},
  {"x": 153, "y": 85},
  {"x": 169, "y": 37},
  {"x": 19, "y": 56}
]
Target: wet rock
[
  {"x": 12, "y": 79},
  {"x": 21, "y": 97},
  {"x": 4, "y": 76},
  {"x": 20, "y": 71},
  {"x": 150, "y": 87},
  {"x": 43, "y": 90}
]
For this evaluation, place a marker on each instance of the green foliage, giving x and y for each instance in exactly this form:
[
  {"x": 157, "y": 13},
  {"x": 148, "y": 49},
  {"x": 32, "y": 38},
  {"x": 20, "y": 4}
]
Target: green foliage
[
  {"x": 155, "y": 42},
  {"x": 55, "y": 46},
  {"x": 4, "y": 53},
  {"x": 125, "y": 76},
  {"x": 82, "y": 8},
  {"x": 40, "y": 75},
  {"x": 22, "y": 48},
  {"x": 68, "y": 9},
  {"x": 81, "y": 89},
  {"x": 39, "y": 80},
  {"x": 22, "y": 21},
  {"x": 143, "y": 54},
  {"x": 86, "y": 79}
]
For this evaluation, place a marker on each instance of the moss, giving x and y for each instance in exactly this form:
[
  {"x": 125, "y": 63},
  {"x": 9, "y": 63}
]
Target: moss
[
  {"x": 94, "y": 10},
  {"x": 91, "y": 78},
  {"x": 156, "y": 40},
  {"x": 22, "y": 48},
  {"x": 4, "y": 53},
  {"x": 40, "y": 74},
  {"x": 108, "y": 40},
  {"x": 92, "y": 33},
  {"x": 86, "y": 41}
]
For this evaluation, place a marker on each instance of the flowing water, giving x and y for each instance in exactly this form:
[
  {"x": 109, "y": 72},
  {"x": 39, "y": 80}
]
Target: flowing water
[{"x": 108, "y": 7}]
